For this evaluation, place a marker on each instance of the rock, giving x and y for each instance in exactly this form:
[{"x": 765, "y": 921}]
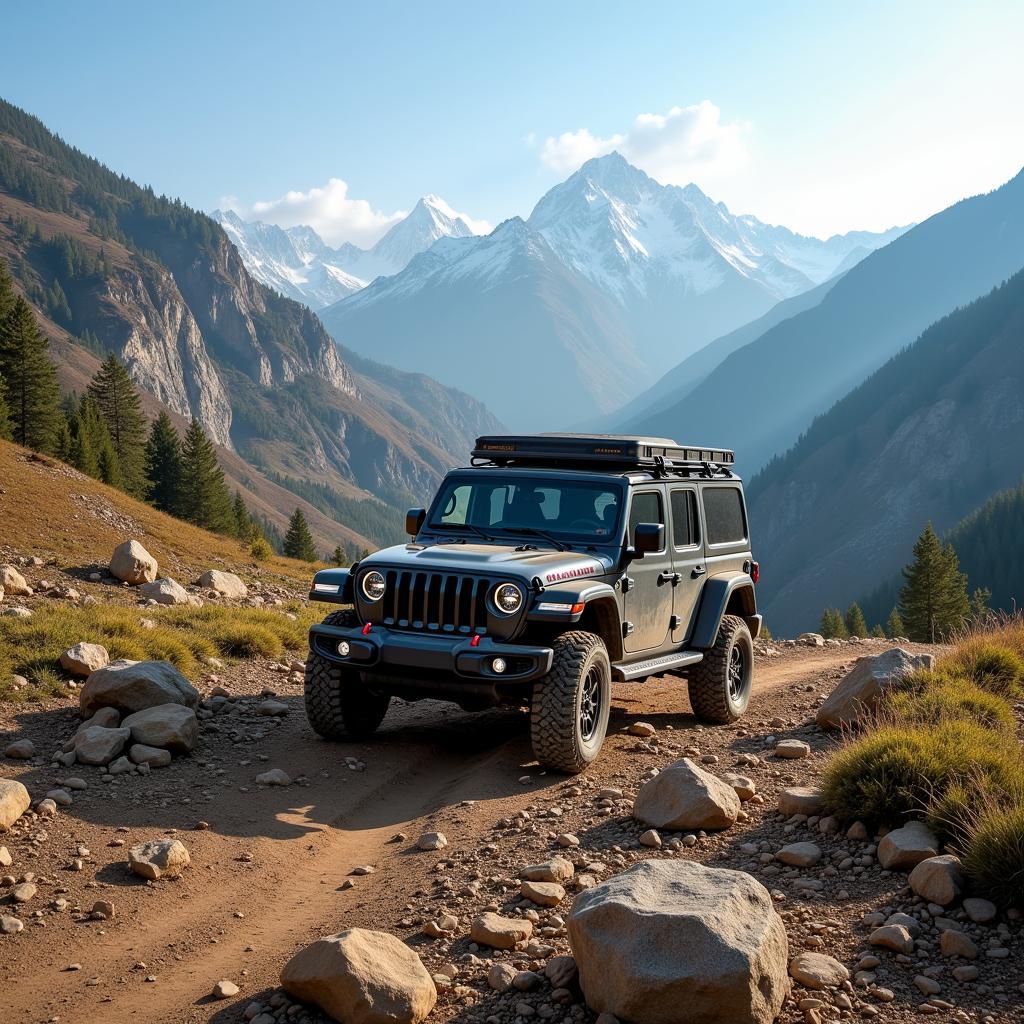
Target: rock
[
  {"x": 272, "y": 708},
  {"x": 171, "y": 726},
  {"x": 558, "y": 869},
  {"x": 801, "y": 800},
  {"x": 684, "y": 796},
  {"x": 567, "y": 840},
  {"x": 362, "y": 977},
  {"x": 120, "y": 766},
  {"x": 6, "y": 860},
  {"x": 858, "y": 693},
  {"x": 102, "y": 910},
  {"x": 965, "y": 973},
  {"x": 894, "y": 937},
  {"x": 667, "y": 935},
  {"x": 132, "y": 563},
  {"x": 227, "y": 584},
  {"x": 927, "y": 986},
  {"x": 13, "y": 583},
  {"x": 10, "y": 925},
  {"x": 167, "y": 591},
  {"x": 224, "y": 989},
  {"x": 643, "y": 729},
  {"x": 792, "y": 749},
  {"x": 274, "y": 777},
  {"x": 20, "y": 750},
  {"x": 108, "y": 718},
  {"x": 980, "y": 911},
  {"x": 61, "y": 797},
  {"x": 811, "y": 640},
  {"x": 97, "y": 745},
  {"x": 650, "y": 838},
  {"x": 546, "y": 894},
  {"x": 500, "y": 976},
  {"x": 957, "y": 943},
  {"x": 159, "y": 858},
  {"x": 743, "y": 785},
  {"x": 23, "y": 893},
  {"x": 432, "y": 841},
  {"x": 131, "y": 686},
  {"x": 800, "y": 855},
  {"x": 903, "y": 848},
  {"x": 153, "y": 756},
  {"x": 816, "y": 970},
  {"x": 83, "y": 659},
  {"x": 500, "y": 932},
  {"x": 938, "y": 879}
]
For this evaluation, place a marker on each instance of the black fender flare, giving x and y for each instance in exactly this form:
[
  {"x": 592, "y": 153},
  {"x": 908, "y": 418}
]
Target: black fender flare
[
  {"x": 716, "y": 596},
  {"x": 333, "y": 586}
]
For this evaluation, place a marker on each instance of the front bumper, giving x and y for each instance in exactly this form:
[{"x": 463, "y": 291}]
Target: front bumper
[{"x": 425, "y": 661}]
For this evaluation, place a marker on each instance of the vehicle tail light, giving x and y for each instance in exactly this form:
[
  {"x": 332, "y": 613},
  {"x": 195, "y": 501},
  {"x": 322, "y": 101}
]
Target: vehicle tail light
[{"x": 755, "y": 571}]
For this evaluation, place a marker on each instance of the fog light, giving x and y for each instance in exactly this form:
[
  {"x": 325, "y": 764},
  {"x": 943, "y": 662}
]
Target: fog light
[
  {"x": 343, "y": 648},
  {"x": 498, "y": 665}
]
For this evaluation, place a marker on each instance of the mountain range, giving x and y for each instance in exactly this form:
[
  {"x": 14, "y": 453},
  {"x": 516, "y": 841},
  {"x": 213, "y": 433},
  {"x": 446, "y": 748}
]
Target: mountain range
[
  {"x": 111, "y": 267},
  {"x": 613, "y": 279},
  {"x": 299, "y": 264}
]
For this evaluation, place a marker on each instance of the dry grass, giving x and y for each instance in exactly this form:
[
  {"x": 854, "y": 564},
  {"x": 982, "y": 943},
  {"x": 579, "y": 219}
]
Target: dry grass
[{"x": 182, "y": 636}]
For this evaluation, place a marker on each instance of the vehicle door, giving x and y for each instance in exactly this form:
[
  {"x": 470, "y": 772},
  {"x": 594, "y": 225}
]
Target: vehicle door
[
  {"x": 687, "y": 543},
  {"x": 647, "y": 600}
]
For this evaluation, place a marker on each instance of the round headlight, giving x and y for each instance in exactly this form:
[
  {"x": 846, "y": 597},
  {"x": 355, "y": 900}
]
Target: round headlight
[
  {"x": 374, "y": 585},
  {"x": 507, "y": 598}
]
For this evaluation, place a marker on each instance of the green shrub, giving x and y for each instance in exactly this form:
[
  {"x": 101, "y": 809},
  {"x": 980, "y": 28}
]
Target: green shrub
[
  {"x": 900, "y": 769},
  {"x": 994, "y": 854},
  {"x": 991, "y": 665},
  {"x": 948, "y": 697},
  {"x": 260, "y": 549},
  {"x": 242, "y": 640}
]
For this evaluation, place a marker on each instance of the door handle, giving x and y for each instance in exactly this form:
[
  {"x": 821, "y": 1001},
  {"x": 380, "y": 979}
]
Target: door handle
[
  {"x": 698, "y": 570},
  {"x": 669, "y": 577}
]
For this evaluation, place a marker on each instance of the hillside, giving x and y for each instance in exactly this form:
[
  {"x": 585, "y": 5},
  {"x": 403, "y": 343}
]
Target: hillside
[
  {"x": 798, "y": 368},
  {"x": 109, "y": 266},
  {"x": 927, "y": 437}
]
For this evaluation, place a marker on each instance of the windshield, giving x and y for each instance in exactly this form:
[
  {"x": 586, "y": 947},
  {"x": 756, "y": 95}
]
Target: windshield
[{"x": 563, "y": 509}]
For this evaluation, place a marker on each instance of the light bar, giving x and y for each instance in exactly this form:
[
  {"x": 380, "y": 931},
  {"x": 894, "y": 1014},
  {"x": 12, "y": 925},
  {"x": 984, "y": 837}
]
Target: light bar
[{"x": 326, "y": 588}]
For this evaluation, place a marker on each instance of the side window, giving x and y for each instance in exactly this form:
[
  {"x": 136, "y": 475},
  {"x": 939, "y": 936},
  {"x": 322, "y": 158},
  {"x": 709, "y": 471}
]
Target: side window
[
  {"x": 457, "y": 506},
  {"x": 645, "y": 508},
  {"x": 723, "y": 515},
  {"x": 685, "y": 521}
]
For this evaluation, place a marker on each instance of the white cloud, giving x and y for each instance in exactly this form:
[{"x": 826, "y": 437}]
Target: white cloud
[
  {"x": 676, "y": 148},
  {"x": 334, "y": 216}
]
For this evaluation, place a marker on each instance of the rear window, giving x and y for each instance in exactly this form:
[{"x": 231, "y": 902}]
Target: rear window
[{"x": 723, "y": 515}]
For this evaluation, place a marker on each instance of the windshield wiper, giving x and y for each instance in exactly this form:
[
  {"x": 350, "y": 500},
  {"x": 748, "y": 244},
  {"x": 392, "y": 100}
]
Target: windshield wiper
[
  {"x": 532, "y": 531},
  {"x": 462, "y": 526}
]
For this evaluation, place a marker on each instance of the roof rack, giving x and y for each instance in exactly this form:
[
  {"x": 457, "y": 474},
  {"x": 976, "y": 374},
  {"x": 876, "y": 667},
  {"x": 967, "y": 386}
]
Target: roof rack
[{"x": 658, "y": 455}]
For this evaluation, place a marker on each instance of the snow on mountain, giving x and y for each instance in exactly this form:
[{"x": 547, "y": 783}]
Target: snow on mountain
[{"x": 298, "y": 263}]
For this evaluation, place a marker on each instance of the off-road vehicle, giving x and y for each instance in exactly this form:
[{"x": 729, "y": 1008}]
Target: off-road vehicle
[{"x": 550, "y": 567}]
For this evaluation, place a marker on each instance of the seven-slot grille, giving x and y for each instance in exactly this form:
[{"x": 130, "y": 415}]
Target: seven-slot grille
[{"x": 436, "y": 601}]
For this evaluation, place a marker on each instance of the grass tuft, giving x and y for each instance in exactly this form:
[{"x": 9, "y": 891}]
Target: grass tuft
[
  {"x": 947, "y": 698},
  {"x": 994, "y": 854}
]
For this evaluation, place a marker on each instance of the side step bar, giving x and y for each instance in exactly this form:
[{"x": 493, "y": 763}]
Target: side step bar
[{"x": 625, "y": 672}]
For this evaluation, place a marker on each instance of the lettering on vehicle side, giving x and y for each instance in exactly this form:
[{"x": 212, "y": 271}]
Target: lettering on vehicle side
[{"x": 571, "y": 574}]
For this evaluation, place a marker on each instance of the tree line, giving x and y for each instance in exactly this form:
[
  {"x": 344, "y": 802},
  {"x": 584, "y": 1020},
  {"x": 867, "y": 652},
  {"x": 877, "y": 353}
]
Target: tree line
[
  {"x": 933, "y": 601},
  {"x": 104, "y": 434}
]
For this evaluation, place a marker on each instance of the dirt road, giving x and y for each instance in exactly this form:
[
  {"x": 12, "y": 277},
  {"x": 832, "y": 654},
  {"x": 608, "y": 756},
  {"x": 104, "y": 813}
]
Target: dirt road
[{"x": 268, "y": 873}]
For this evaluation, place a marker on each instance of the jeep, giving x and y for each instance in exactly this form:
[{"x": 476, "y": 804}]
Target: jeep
[{"x": 551, "y": 567}]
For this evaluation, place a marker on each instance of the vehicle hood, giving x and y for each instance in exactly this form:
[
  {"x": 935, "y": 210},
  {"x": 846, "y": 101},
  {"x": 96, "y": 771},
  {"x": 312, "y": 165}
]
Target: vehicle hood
[{"x": 489, "y": 559}]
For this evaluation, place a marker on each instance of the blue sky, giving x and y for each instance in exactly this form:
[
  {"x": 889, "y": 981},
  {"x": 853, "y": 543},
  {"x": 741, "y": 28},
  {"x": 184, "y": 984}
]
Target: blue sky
[{"x": 824, "y": 117}]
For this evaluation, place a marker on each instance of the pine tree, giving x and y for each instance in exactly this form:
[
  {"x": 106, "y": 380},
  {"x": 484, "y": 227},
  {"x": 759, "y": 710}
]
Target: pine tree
[
  {"x": 163, "y": 465},
  {"x": 878, "y": 632},
  {"x": 894, "y": 625},
  {"x": 95, "y": 453},
  {"x": 114, "y": 392},
  {"x": 6, "y": 292},
  {"x": 30, "y": 379},
  {"x": 832, "y": 625},
  {"x": 205, "y": 500},
  {"x": 338, "y": 556},
  {"x": 980, "y": 598},
  {"x": 854, "y": 621},
  {"x": 5, "y": 417},
  {"x": 298, "y": 541},
  {"x": 933, "y": 600}
]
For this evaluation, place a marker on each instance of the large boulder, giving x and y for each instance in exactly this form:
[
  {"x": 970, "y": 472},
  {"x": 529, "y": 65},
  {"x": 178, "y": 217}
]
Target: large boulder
[
  {"x": 83, "y": 659},
  {"x": 170, "y": 726},
  {"x": 14, "y": 802},
  {"x": 99, "y": 745},
  {"x": 858, "y": 693},
  {"x": 227, "y": 584},
  {"x": 132, "y": 563},
  {"x": 159, "y": 858},
  {"x": 684, "y": 796},
  {"x": 167, "y": 591},
  {"x": 134, "y": 685},
  {"x": 904, "y": 848},
  {"x": 13, "y": 583},
  {"x": 668, "y": 940},
  {"x": 939, "y": 880},
  {"x": 362, "y": 977}
]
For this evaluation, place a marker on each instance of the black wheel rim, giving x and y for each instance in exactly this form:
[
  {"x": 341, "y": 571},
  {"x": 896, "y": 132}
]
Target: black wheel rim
[
  {"x": 737, "y": 673},
  {"x": 590, "y": 703}
]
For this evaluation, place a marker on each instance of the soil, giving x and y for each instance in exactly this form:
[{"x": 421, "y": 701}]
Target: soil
[{"x": 271, "y": 872}]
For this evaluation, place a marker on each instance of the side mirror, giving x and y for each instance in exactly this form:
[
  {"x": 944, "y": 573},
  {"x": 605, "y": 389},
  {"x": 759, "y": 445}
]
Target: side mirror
[
  {"x": 648, "y": 538},
  {"x": 414, "y": 520}
]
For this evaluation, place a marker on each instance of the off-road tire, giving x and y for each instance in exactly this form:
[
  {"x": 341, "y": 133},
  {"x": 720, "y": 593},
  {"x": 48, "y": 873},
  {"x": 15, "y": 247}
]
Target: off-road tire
[
  {"x": 711, "y": 696},
  {"x": 338, "y": 705},
  {"x": 559, "y": 740}
]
